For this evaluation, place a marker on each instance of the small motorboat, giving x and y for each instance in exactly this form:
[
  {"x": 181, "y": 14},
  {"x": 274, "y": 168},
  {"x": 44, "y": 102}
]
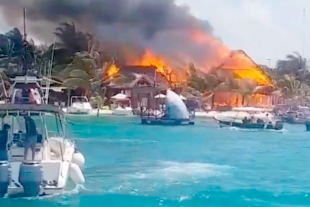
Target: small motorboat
[
  {"x": 278, "y": 125},
  {"x": 294, "y": 117},
  {"x": 56, "y": 158},
  {"x": 248, "y": 120},
  {"x": 121, "y": 105},
  {"x": 79, "y": 105}
]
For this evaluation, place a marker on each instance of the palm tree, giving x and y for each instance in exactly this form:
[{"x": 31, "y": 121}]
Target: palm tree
[
  {"x": 11, "y": 50},
  {"x": 200, "y": 82},
  {"x": 293, "y": 64},
  {"x": 291, "y": 87},
  {"x": 16, "y": 54},
  {"x": 80, "y": 72},
  {"x": 99, "y": 99},
  {"x": 70, "y": 39}
]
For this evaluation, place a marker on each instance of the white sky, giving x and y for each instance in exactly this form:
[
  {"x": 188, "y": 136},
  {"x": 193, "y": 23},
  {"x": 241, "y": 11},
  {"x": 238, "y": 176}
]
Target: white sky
[{"x": 265, "y": 29}]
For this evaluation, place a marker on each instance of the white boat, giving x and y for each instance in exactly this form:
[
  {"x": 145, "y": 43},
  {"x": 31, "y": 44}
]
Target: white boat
[
  {"x": 56, "y": 158},
  {"x": 239, "y": 113},
  {"x": 79, "y": 105},
  {"x": 249, "y": 118},
  {"x": 121, "y": 105}
]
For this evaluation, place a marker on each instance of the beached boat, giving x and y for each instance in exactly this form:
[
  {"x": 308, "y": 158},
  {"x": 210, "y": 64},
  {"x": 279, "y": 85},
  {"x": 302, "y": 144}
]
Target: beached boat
[
  {"x": 298, "y": 116},
  {"x": 294, "y": 117},
  {"x": 56, "y": 158},
  {"x": 248, "y": 118},
  {"x": 176, "y": 112},
  {"x": 121, "y": 105},
  {"x": 79, "y": 105}
]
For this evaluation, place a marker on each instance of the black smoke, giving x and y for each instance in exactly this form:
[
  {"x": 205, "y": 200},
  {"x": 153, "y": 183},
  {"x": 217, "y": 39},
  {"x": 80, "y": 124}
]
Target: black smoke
[{"x": 160, "y": 25}]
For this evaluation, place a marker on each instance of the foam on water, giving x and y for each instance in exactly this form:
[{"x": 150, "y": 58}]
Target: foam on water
[
  {"x": 176, "y": 171},
  {"x": 255, "y": 130},
  {"x": 98, "y": 140}
]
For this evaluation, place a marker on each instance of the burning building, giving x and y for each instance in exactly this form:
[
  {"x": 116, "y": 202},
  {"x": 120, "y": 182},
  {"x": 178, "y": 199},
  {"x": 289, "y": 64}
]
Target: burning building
[
  {"x": 140, "y": 83},
  {"x": 242, "y": 67}
]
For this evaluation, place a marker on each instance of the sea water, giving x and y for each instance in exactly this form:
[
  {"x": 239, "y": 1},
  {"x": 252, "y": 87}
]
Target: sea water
[{"x": 134, "y": 165}]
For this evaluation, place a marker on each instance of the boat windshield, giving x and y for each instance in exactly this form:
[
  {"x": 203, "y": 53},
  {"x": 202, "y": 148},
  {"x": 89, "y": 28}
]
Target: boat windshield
[
  {"x": 79, "y": 99},
  {"x": 46, "y": 126}
]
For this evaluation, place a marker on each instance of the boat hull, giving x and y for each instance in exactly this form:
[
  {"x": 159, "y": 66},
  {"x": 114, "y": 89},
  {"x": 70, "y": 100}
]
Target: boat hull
[
  {"x": 78, "y": 111},
  {"x": 166, "y": 122},
  {"x": 277, "y": 126}
]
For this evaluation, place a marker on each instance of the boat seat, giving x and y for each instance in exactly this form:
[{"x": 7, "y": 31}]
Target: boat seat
[{"x": 20, "y": 141}]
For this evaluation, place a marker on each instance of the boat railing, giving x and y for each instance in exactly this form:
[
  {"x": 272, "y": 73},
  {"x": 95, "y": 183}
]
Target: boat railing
[{"x": 149, "y": 112}]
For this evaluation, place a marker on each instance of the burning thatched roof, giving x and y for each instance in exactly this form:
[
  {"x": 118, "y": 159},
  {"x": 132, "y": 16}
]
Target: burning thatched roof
[
  {"x": 150, "y": 71},
  {"x": 243, "y": 66},
  {"x": 135, "y": 74}
]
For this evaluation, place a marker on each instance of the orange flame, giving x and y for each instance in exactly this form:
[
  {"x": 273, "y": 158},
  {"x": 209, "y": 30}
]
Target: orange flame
[
  {"x": 150, "y": 59},
  {"x": 167, "y": 66},
  {"x": 112, "y": 70}
]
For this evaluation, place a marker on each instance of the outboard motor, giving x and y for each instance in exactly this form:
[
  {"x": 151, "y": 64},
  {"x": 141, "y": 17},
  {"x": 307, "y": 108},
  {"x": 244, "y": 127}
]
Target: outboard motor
[
  {"x": 278, "y": 125},
  {"x": 5, "y": 177},
  {"x": 31, "y": 177}
]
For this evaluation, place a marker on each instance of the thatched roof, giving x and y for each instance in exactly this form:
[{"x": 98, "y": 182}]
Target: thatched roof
[
  {"x": 137, "y": 74},
  {"x": 244, "y": 67},
  {"x": 149, "y": 71}
]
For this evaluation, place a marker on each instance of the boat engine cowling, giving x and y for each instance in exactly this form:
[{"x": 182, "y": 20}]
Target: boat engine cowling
[
  {"x": 278, "y": 125},
  {"x": 31, "y": 177},
  {"x": 5, "y": 177}
]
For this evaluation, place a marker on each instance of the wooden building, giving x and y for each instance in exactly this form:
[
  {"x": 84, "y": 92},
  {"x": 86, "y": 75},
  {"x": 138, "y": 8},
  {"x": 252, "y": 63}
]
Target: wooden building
[{"x": 141, "y": 84}]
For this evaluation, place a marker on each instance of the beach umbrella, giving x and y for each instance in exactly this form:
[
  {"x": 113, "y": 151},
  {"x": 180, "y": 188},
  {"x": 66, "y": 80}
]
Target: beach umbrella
[
  {"x": 119, "y": 96},
  {"x": 160, "y": 96}
]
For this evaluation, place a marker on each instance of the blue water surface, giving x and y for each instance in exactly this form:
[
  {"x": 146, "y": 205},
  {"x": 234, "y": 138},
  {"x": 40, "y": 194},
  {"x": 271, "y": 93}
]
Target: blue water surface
[{"x": 133, "y": 165}]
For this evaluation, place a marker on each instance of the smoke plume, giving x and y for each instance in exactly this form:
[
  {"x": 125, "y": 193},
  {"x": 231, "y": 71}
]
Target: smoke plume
[{"x": 159, "y": 25}]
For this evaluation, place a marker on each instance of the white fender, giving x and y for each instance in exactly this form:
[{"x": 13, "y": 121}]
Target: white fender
[
  {"x": 78, "y": 159},
  {"x": 76, "y": 174}
]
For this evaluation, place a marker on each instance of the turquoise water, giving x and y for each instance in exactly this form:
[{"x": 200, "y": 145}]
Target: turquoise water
[{"x": 133, "y": 165}]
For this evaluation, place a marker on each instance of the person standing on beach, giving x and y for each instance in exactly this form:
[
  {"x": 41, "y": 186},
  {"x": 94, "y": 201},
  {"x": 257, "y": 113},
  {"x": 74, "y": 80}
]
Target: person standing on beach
[
  {"x": 31, "y": 137},
  {"x": 268, "y": 120},
  {"x": 4, "y": 134}
]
